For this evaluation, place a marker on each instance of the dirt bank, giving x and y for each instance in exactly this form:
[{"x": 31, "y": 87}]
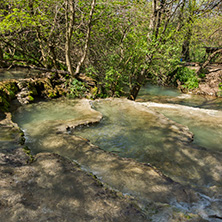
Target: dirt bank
[{"x": 210, "y": 84}]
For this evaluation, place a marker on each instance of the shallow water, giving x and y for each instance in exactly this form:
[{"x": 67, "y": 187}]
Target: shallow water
[
  {"x": 205, "y": 124},
  {"x": 160, "y": 94},
  {"x": 131, "y": 130},
  {"x": 124, "y": 131},
  {"x": 40, "y": 119},
  {"x": 16, "y": 73},
  {"x": 135, "y": 131},
  {"x": 154, "y": 90}
]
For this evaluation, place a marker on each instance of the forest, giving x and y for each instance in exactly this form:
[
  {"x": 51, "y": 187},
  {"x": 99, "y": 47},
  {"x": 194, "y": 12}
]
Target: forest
[{"x": 119, "y": 44}]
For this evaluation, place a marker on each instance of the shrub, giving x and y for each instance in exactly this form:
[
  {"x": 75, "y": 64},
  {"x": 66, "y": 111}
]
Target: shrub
[
  {"x": 77, "y": 89},
  {"x": 187, "y": 78}
]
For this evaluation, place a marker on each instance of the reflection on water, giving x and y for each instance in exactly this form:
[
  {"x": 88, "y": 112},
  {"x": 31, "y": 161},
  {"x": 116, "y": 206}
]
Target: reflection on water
[{"x": 16, "y": 73}]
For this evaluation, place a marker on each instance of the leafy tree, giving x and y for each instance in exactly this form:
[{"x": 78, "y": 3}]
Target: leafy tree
[{"x": 118, "y": 43}]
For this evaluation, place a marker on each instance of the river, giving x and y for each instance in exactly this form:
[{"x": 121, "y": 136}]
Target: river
[{"x": 179, "y": 134}]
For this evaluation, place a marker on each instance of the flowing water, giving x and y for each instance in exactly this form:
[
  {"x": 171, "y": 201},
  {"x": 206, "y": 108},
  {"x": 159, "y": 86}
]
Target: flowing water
[
  {"x": 150, "y": 132},
  {"x": 162, "y": 94},
  {"x": 205, "y": 124}
]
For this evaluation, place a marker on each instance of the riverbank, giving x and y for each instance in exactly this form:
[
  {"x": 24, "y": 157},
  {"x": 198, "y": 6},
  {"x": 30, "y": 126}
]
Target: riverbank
[{"x": 210, "y": 84}]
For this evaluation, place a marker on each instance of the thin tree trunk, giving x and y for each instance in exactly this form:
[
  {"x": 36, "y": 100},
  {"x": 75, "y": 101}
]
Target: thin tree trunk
[
  {"x": 136, "y": 88},
  {"x": 186, "y": 46},
  {"x": 23, "y": 52},
  {"x": 93, "y": 4},
  {"x": 70, "y": 20},
  {"x": 1, "y": 57},
  {"x": 41, "y": 47}
]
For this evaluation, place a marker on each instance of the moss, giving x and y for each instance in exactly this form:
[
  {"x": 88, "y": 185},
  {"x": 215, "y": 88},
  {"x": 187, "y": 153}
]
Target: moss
[
  {"x": 22, "y": 140},
  {"x": 32, "y": 89},
  {"x": 4, "y": 103},
  {"x": 30, "y": 98},
  {"x": 22, "y": 133},
  {"x": 8, "y": 90},
  {"x": 28, "y": 153},
  {"x": 52, "y": 94}
]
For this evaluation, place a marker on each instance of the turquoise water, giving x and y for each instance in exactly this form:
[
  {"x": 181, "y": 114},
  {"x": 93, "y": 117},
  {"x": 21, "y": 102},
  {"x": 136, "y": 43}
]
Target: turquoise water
[
  {"x": 162, "y": 94},
  {"x": 132, "y": 130},
  {"x": 154, "y": 90},
  {"x": 128, "y": 132},
  {"x": 205, "y": 124}
]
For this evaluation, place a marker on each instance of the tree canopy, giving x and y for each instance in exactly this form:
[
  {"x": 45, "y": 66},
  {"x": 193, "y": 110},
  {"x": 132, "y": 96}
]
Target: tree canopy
[{"x": 118, "y": 43}]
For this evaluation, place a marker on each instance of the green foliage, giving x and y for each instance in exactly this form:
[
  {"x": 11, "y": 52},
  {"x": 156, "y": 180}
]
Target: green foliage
[
  {"x": 31, "y": 99},
  {"x": 187, "y": 78},
  {"x": 124, "y": 40},
  {"x": 220, "y": 90},
  {"x": 113, "y": 82},
  {"x": 198, "y": 53},
  {"x": 28, "y": 153},
  {"x": 202, "y": 75},
  {"x": 77, "y": 89}
]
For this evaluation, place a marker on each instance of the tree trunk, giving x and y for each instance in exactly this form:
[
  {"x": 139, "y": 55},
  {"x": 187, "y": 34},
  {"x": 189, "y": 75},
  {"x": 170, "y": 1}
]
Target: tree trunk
[
  {"x": 38, "y": 35},
  {"x": 70, "y": 9},
  {"x": 93, "y": 4},
  {"x": 186, "y": 46},
  {"x": 22, "y": 52},
  {"x": 68, "y": 56},
  {"x": 1, "y": 57},
  {"x": 136, "y": 88}
]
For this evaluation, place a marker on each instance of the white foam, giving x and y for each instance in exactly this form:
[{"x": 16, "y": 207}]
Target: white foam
[{"x": 210, "y": 112}]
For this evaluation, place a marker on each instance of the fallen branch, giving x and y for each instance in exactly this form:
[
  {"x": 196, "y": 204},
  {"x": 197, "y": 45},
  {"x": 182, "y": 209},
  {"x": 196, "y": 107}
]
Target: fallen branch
[{"x": 205, "y": 64}]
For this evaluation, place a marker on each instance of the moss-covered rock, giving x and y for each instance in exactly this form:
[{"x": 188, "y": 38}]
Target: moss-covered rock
[{"x": 8, "y": 90}]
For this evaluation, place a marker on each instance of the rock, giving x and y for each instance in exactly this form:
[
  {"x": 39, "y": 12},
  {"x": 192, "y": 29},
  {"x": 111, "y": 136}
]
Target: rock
[
  {"x": 210, "y": 84},
  {"x": 55, "y": 189},
  {"x": 52, "y": 188}
]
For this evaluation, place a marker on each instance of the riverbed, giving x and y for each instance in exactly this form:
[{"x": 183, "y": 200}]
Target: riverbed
[{"x": 177, "y": 134}]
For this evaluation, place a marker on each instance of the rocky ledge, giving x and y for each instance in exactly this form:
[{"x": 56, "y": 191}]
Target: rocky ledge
[{"x": 48, "y": 187}]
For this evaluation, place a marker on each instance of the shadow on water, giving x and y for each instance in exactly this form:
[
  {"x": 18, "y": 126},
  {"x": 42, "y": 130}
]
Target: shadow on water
[{"x": 134, "y": 131}]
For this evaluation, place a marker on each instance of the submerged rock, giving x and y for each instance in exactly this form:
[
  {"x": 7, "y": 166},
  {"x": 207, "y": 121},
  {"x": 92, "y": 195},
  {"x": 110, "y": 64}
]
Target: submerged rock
[
  {"x": 55, "y": 130},
  {"x": 123, "y": 174}
]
